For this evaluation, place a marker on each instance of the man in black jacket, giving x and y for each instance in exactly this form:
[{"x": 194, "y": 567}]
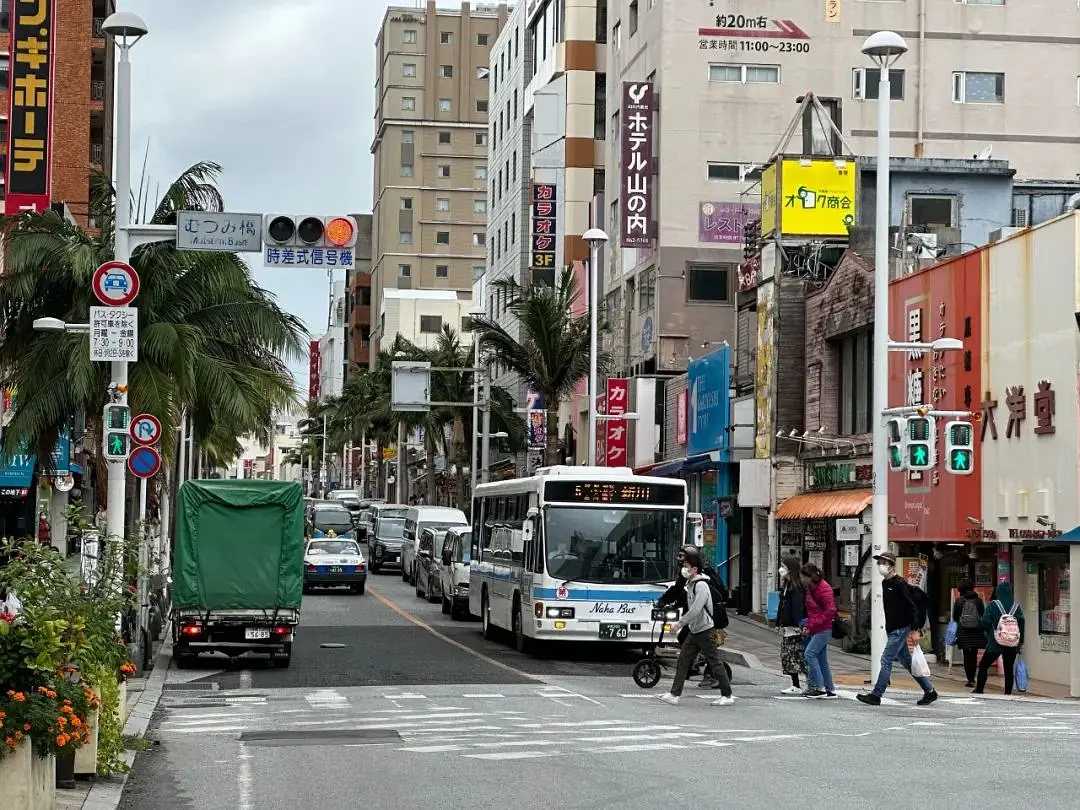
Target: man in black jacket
[
  {"x": 675, "y": 596},
  {"x": 905, "y": 615}
]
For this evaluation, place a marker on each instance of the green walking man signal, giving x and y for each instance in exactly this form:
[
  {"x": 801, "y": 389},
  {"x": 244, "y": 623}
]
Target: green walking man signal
[
  {"x": 921, "y": 439},
  {"x": 959, "y": 448}
]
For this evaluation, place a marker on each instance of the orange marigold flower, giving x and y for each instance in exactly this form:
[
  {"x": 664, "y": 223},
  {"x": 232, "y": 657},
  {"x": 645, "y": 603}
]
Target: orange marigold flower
[
  {"x": 75, "y": 721},
  {"x": 62, "y": 721},
  {"x": 10, "y": 741},
  {"x": 2, "y": 716},
  {"x": 67, "y": 709},
  {"x": 51, "y": 694},
  {"x": 19, "y": 697},
  {"x": 62, "y": 740},
  {"x": 26, "y": 726}
]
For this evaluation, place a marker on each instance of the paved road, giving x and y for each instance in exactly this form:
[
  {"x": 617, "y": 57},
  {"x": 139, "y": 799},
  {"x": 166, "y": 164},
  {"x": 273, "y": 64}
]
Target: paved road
[{"x": 419, "y": 711}]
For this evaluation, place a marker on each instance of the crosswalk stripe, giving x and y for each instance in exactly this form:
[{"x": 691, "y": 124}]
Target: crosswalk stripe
[
  {"x": 571, "y": 725},
  {"x": 432, "y": 749},
  {"x": 514, "y": 755},
  {"x": 766, "y": 737},
  {"x": 618, "y": 749},
  {"x": 619, "y": 737},
  {"x": 511, "y": 743},
  {"x": 493, "y": 695}
]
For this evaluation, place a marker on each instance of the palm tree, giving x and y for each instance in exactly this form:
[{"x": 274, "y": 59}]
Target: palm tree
[
  {"x": 552, "y": 354},
  {"x": 211, "y": 341}
]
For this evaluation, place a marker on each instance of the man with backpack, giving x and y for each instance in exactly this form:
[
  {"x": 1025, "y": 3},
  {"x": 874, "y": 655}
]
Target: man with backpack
[
  {"x": 1003, "y": 621},
  {"x": 905, "y": 616},
  {"x": 700, "y": 620},
  {"x": 675, "y": 596}
]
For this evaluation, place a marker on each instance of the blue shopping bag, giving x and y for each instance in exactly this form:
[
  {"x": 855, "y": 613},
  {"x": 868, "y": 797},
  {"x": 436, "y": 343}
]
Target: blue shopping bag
[
  {"x": 950, "y": 634},
  {"x": 1020, "y": 675}
]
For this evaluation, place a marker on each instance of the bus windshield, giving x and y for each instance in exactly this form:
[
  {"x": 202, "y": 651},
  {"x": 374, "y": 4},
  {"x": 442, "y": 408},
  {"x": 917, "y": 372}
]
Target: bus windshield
[{"x": 611, "y": 545}]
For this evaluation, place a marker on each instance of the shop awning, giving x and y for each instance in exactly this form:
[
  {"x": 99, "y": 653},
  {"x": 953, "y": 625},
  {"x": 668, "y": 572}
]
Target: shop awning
[
  {"x": 666, "y": 469},
  {"x": 818, "y": 505}
]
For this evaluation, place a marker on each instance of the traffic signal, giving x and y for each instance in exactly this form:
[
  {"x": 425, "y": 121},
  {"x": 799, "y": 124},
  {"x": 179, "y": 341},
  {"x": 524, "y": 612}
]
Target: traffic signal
[
  {"x": 896, "y": 430},
  {"x": 921, "y": 442},
  {"x": 117, "y": 419},
  {"x": 960, "y": 448},
  {"x": 304, "y": 230}
]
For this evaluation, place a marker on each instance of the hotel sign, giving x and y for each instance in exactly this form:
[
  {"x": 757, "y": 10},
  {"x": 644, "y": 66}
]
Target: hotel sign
[{"x": 636, "y": 198}]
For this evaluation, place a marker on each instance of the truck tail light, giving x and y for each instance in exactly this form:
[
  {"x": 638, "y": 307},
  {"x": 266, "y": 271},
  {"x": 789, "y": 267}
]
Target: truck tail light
[
  {"x": 282, "y": 630},
  {"x": 191, "y": 630}
]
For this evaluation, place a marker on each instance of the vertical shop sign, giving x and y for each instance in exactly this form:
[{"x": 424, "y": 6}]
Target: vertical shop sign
[
  {"x": 28, "y": 172},
  {"x": 681, "y": 409},
  {"x": 618, "y": 396},
  {"x": 637, "y": 164},
  {"x": 313, "y": 370},
  {"x": 543, "y": 234}
]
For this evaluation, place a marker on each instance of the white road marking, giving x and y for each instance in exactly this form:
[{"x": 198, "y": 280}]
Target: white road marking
[
  {"x": 406, "y": 696},
  {"x": 571, "y": 725},
  {"x": 768, "y": 737},
  {"x": 925, "y": 723},
  {"x": 514, "y": 755},
  {"x": 715, "y": 743},
  {"x": 432, "y": 749},
  {"x": 244, "y": 780},
  {"x": 508, "y": 743},
  {"x": 620, "y": 737},
  {"x": 618, "y": 749},
  {"x": 207, "y": 715},
  {"x": 321, "y": 697},
  {"x": 483, "y": 695},
  {"x": 251, "y": 700}
]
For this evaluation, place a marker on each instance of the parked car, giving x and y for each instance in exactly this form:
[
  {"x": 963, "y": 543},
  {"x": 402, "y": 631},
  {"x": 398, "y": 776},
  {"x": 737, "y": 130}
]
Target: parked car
[
  {"x": 384, "y": 540},
  {"x": 418, "y": 518},
  {"x": 330, "y": 517},
  {"x": 454, "y": 562},
  {"x": 428, "y": 585},
  {"x": 334, "y": 562}
]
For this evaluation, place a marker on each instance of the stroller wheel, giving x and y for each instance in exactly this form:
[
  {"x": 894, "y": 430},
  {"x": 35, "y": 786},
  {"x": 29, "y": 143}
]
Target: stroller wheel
[{"x": 647, "y": 673}]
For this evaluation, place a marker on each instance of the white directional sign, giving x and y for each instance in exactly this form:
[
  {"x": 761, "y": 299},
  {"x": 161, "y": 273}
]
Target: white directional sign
[
  {"x": 219, "y": 230},
  {"x": 114, "y": 334}
]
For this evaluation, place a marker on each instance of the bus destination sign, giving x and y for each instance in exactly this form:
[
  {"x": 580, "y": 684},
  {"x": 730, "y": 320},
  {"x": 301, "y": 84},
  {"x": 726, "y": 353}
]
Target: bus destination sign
[{"x": 614, "y": 492}]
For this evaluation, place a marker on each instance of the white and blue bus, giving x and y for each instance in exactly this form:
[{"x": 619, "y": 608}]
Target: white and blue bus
[{"x": 575, "y": 553}]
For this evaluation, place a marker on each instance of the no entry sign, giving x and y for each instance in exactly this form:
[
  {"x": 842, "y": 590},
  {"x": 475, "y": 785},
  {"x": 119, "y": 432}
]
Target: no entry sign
[{"x": 115, "y": 284}]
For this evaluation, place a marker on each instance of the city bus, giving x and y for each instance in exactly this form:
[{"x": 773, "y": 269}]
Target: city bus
[{"x": 575, "y": 554}]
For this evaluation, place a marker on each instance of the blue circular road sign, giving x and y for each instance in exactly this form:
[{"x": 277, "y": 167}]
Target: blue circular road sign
[{"x": 144, "y": 462}]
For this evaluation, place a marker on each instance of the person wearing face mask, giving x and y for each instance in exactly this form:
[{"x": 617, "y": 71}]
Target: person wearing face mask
[
  {"x": 698, "y": 621},
  {"x": 905, "y": 615},
  {"x": 817, "y": 627},
  {"x": 789, "y": 618},
  {"x": 675, "y": 597}
]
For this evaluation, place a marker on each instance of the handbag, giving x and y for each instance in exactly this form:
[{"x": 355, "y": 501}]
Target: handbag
[
  {"x": 950, "y": 633},
  {"x": 840, "y": 628},
  {"x": 919, "y": 667},
  {"x": 1020, "y": 675}
]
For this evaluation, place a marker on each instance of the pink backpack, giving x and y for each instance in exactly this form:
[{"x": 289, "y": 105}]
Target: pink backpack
[{"x": 1007, "y": 632}]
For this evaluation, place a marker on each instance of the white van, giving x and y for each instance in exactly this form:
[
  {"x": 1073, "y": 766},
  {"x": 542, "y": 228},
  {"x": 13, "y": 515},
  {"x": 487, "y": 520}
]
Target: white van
[{"x": 439, "y": 518}]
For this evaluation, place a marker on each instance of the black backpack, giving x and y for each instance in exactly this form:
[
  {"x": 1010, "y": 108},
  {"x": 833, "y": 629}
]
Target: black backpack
[
  {"x": 921, "y": 602},
  {"x": 718, "y": 609}
]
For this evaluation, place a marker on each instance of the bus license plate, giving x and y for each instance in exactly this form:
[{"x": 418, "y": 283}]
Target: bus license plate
[
  {"x": 615, "y": 631},
  {"x": 256, "y": 633}
]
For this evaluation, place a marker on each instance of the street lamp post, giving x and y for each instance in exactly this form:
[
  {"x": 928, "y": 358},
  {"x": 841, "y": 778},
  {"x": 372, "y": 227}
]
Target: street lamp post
[
  {"x": 883, "y": 48},
  {"x": 125, "y": 29},
  {"x": 595, "y": 239}
]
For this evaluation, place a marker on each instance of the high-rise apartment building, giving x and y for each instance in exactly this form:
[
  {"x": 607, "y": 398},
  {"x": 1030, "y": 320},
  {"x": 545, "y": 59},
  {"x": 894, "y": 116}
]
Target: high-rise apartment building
[
  {"x": 429, "y": 225},
  {"x": 82, "y": 121}
]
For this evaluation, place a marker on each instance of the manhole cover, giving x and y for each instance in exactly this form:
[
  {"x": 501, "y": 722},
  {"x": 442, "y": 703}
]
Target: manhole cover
[
  {"x": 373, "y": 736},
  {"x": 332, "y": 645}
]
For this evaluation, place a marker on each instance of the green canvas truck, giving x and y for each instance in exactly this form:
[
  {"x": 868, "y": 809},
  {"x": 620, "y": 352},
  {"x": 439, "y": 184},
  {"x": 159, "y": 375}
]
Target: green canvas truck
[{"x": 238, "y": 568}]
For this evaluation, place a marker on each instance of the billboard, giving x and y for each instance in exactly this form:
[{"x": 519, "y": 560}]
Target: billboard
[
  {"x": 708, "y": 382},
  {"x": 723, "y": 222},
  {"x": 636, "y": 197},
  {"x": 808, "y": 196}
]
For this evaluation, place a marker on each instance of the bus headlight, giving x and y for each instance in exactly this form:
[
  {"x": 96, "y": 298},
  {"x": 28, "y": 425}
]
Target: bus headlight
[{"x": 560, "y": 613}]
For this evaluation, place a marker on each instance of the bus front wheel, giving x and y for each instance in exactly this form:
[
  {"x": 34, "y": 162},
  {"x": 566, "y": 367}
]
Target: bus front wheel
[{"x": 522, "y": 643}]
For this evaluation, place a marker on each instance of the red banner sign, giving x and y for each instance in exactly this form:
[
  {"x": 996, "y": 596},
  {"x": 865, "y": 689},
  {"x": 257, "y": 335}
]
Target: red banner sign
[{"x": 618, "y": 397}]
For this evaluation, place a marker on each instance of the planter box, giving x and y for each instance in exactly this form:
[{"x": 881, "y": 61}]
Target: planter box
[
  {"x": 86, "y": 757},
  {"x": 27, "y": 782}
]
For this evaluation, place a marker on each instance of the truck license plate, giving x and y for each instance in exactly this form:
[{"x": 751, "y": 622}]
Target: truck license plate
[
  {"x": 256, "y": 633},
  {"x": 615, "y": 631}
]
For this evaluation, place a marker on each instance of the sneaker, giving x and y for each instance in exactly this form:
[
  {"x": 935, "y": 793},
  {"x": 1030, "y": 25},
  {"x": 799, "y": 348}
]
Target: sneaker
[
  {"x": 708, "y": 683},
  {"x": 670, "y": 699},
  {"x": 814, "y": 693},
  {"x": 831, "y": 696},
  {"x": 724, "y": 701},
  {"x": 791, "y": 690},
  {"x": 928, "y": 698},
  {"x": 870, "y": 699}
]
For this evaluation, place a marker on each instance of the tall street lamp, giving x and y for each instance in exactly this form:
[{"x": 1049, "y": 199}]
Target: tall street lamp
[
  {"x": 884, "y": 49},
  {"x": 125, "y": 29},
  {"x": 595, "y": 239}
]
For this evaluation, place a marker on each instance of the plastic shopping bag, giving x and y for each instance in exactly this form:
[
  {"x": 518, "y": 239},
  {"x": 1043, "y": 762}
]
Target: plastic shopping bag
[
  {"x": 919, "y": 667},
  {"x": 950, "y": 634},
  {"x": 1020, "y": 675}
]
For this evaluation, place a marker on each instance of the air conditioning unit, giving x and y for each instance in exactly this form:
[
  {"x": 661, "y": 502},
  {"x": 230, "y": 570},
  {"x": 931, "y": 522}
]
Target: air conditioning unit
[{"x": 923, "y": 245}]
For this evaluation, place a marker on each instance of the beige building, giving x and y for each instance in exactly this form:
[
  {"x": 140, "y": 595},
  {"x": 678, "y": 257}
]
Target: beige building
[{"x": 429, "y": 226}]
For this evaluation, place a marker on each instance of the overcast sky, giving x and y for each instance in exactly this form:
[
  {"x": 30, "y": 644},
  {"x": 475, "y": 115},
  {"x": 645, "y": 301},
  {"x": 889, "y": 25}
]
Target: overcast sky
[{"x": 280, "y": 93}]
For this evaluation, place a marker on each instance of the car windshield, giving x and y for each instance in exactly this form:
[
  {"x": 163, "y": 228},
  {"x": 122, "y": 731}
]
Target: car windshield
[
  {"x": 337, "y": 519},
  {"x": 393, "y": 513},
  {"x": 391, "y": 528},
  {"x": 333, "y": 547},
  {"x": 610, "y": 545}
]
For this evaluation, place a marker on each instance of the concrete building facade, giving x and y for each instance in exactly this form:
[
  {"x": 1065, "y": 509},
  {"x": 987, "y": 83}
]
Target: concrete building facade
[
  {"x": 358, "y": 301},
  {"x": 429, "y": 223}
]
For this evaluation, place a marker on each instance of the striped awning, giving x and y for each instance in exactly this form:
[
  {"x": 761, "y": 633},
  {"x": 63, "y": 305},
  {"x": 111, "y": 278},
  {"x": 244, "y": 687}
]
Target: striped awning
[{"x": 818, "y": 505}]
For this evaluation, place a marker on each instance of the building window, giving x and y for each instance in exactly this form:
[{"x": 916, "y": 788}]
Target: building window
[
  {"x": 513, "y": 227},
  {"x": 978, "y": 88},
  {"x": 477, "y": 272},
  {"x": 482, "y": 105},
  {"x": 442, "y": 237},
  {"x": 479, "y": 239},
  {"x": 647, "y": 290},
  {"x": 616, "y": 34},
  {"x": 744, "y": 74},
  {"x": 1055, "y": 608},
  {"x": 633, "y": 17},
  {"x": 514, "y": 163},
  {"x": 404, "y": 270},
  {"x": 406, "y": 170},
  {"x": 405, "y": 237},
  {"x": 928, "y": 210},
  {"x": 442, "y": 271},
  {"x": 444, "y": 170},
  {"x": 482, "y": 71},
  {"x": 442, "y": 204},
  {"x": 865, "y": 83},
  {"x": 446, "y": 71},
  {"x": 856, "y": 383},
  {"x": 725, "y": 171},
  {"x": 406, "y": 203},
  {"x": 406, "y": 136},
  {"x": 444, "y": 138},
  {"x": 408, "y": 103},
  {"x": 482, "y": 40},
  {"x": 408, "y": 70},
  {"x": 444, "y": 105},
  {"x": 446, "y": 37},
  {"x": 481, "y": 139},
  {"x": 408, "y": 36},
  {"x": 708, "y": 282},
  {"x": 479, "y": 206},
  {"x": 430, "y": 324},
  {"x": 480, "y": 173}
]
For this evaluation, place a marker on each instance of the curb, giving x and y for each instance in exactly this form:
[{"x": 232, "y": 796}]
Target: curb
[
  {"x": 105, "y": 795},
  {"x": 743, "y": 659}
]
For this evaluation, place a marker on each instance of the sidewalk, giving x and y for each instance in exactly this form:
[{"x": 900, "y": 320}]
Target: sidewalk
[{"x": 758, "y": 645}]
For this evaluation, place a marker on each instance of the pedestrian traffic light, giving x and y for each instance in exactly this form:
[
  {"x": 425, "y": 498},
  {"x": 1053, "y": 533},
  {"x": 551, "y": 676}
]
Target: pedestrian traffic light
[
  {"x": 960, "y": 448},
  {"x": 303, "y": 230},
  {"x": 116, "y": 420},
  {"x": 896, "y": 430},
  {"x": 920, "y": 445}
]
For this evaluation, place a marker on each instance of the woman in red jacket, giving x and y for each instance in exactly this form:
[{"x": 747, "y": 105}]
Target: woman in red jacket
[{"x": 820, "y": 612}]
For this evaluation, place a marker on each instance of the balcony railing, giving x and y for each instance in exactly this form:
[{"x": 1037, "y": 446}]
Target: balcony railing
[
  {"x": 97, "y": 154},
  {"x": 97, "y": 90}
]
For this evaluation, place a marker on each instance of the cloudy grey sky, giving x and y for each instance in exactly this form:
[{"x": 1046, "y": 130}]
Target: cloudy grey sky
[{"x": 280, "y": 93}]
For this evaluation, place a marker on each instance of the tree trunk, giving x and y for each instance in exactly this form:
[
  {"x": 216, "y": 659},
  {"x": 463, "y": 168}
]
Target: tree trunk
[
  {"x": 429, "y": 449},
  {"x": 553, "y": 452},
  {"x": 460, "y": 460}
]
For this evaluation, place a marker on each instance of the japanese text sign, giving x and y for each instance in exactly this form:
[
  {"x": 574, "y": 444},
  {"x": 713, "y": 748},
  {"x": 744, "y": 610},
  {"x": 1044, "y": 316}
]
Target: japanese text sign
[
  {"x": 808, "y": 197},
  {"x": 636, "y": 197},
  {"x": 617, "y": 399},
  {"x": 114, "y": 334},
  {"x": 681, "y": 410},
  {"x": 28, "y": 170},
  {"x": 537, "y": 429},
  {"x": 218, "y": 230},
  {"x": 544, "y": 227},
  {"x": 314, "y": 367},
  {"x": 308, "y": 257},
  {"x": 723, "y": 222}
]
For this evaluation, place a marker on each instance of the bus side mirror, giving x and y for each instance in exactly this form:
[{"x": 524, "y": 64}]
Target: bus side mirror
[
  {"x": 527, "y": 530},
  {"x": 696, "y": 523},
  {"x": 533, "y": 513}
]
